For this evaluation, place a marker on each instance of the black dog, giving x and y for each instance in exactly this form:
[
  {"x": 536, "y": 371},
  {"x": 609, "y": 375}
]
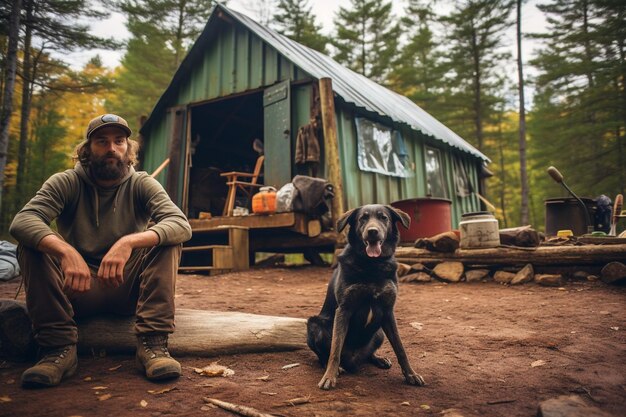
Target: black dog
[{"x": 361, "y": 294}]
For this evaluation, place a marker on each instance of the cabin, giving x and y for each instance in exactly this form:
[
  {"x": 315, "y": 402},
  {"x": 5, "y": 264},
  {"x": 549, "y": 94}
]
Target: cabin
[{"x": 244, "y": 91}]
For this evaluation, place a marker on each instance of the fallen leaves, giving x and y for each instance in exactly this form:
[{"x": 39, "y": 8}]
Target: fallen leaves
[
  {"x": 299, "y": 400},
  {"x": 115, "y": 368},
  {"x": 143, "y": 403},
  {"x": 5, "y": 399},
  {"x": 537, "y": 363},
  {"x": 291, "y": 365},
  {"x": 161, "y": 391},
  {"x": 416, "y": 325},
  {"x": 213, "y": 370},
  {"x": 104, "y": 397}
]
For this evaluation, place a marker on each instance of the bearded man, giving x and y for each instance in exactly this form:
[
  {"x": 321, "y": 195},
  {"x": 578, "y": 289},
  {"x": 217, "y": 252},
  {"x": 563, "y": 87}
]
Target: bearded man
[{"x": 103, "y": 257}]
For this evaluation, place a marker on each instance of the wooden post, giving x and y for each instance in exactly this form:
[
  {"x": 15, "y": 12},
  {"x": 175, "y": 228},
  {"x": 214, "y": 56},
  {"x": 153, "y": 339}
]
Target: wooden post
[{"x": 331, "y": 145}]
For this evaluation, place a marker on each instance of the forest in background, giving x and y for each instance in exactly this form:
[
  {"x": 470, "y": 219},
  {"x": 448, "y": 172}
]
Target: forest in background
[{"x": 455, "y": 65}]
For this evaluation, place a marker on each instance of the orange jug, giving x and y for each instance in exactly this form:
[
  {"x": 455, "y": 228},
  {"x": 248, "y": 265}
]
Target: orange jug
[{"x": 264, "y": 202}]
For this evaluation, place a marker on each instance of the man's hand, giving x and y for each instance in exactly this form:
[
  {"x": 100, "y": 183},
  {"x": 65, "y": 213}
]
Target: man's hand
[
  {"x": 111, "y": 271},
  {"x": 76, "y": 272}
]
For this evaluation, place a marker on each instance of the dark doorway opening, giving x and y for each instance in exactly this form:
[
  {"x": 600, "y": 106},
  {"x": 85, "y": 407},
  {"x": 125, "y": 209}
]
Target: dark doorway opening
[{"x": 222, "y": 136}]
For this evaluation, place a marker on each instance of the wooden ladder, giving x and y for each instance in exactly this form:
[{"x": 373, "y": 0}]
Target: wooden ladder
[{"x": 226, "y": 248}]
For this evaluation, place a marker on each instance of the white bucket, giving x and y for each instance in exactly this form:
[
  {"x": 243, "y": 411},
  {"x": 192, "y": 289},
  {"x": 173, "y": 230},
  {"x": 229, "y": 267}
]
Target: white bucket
[{"x": 479, "y": 230}]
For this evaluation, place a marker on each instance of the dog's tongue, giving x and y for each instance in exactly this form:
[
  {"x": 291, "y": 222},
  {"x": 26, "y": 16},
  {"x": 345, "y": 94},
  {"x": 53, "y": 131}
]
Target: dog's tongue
[{"x": 373, "y": 249}]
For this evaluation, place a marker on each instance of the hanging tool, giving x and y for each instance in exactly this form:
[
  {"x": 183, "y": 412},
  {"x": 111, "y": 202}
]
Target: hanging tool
[
  {"x": 617, "y": 209},
  {"x": 556, "y": 176}
]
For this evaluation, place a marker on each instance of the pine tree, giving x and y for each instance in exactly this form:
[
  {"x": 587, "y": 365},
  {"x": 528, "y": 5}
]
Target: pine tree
[
  {"x": 366, "y": 38},
  {"x": 578, "y": 116},
  {"x": 296, "y": 21},
  {"x": 161, "y": 33},
  {"x": 417, "y": 72},
  {"x": 474, "y": 55}
]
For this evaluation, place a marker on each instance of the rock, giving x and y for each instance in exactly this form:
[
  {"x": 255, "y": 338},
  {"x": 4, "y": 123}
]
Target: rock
[
  {"x": 503, "y": 277},
  {"x": 568, "y": 406},
  {"x": 16, "y": 337},
  {"x": 613, "y": 272},
  {"x": 476, "y": 275},
  {"x": 403, "y": 269},
  {"x": 580, "y": 275},
  {"x": 416, "y": 277},
  {"x": 592, "y": 278},
  {"x": 548, "y": 280},
  {"x": 419, "y": 267},
  {"x": 526, "y": 274},
  {"x": 449, "y": 271}
]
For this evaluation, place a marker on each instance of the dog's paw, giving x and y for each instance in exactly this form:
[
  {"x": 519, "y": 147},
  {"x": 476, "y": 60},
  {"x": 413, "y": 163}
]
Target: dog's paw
[
  {"x": 414, "y": 379},
  {"x": 327, "y": 383},
  {"x": 379, "y": 362}
]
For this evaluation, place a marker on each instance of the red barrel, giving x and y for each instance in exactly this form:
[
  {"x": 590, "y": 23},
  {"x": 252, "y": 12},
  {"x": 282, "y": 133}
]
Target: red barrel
[{"x": 429, "y": 217}]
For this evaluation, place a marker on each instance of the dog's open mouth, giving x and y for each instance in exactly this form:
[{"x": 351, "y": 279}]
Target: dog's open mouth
[{"x": 373, "y": 249}]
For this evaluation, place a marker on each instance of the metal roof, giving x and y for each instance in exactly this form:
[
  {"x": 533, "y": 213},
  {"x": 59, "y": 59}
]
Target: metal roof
[{"x": 350, "y": 86}]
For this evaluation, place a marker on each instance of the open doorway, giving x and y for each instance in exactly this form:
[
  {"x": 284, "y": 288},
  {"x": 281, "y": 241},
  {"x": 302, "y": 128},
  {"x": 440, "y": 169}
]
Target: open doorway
[{"x": 226, "y": 135}]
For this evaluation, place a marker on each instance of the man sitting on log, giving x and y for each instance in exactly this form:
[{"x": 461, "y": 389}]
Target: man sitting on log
[{"x": 104, "y": 258}]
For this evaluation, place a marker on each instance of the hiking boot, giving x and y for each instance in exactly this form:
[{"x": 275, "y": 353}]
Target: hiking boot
[
  {"x": 154, "y": 359},
  {"x": 56, "y": 364}
]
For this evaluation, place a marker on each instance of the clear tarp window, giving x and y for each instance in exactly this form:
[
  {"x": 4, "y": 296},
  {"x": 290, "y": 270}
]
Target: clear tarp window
[
  {"x": 435, "y": 184},
  {"x": 381, "y": 149},
  {"x": 461, "y": 181}
]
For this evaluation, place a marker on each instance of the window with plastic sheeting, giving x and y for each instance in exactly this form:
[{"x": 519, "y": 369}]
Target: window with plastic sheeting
[
  {"x": 435, "y": 183},
  {"x": 461, "y": 180},
  {"x": 382, "y": 150}
]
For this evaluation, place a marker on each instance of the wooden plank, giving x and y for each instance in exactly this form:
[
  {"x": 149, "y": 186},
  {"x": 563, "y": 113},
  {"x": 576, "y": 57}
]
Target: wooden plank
[
  {"x": 223, "y": 257},
  {"x": 239, "y": 242},
  {"x": 201, "y": 248},
  {"x": 252, "y": 221},
  {"x": 292, "y": 242},
  {"x": 543, "y": 255},
  {"x": 332, "y": 157}
]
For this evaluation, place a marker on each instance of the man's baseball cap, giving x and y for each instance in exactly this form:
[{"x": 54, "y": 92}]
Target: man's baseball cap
[{"x": 107, "y": 120}]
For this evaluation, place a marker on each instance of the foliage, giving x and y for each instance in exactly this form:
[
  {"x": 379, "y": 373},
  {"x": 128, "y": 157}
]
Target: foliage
[
  {"x": 580, "y": 105},
  {"x": 367, "y": 38},
  {"x": 296, "y": 21},
  {"x": 161, "y": 33}
]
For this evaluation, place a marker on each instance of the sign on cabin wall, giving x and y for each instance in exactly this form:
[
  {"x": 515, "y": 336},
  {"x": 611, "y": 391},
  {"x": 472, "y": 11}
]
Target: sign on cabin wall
[{"x": 381, "y": 149}]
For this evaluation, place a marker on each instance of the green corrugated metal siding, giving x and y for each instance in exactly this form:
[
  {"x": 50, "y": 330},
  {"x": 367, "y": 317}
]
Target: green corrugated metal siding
[
  {"x": 361, "y": 187},
  {"x": 237, "y": 61}
]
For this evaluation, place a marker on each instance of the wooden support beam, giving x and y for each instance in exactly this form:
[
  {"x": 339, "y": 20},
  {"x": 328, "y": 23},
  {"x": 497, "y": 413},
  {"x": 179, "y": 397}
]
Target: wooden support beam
[
  {"x": 332, "y": 157},
  {"x": 543, "y": 255}
]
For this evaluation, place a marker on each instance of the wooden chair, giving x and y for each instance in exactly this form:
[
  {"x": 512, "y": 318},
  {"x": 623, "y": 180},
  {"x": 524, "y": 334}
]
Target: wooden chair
[{"x": 234, "y": 184}]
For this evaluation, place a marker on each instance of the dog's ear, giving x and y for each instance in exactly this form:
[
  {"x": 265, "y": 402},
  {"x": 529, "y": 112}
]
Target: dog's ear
[
  {"x": 347, "y": 217},
  {"x": 398, "y": 215}
]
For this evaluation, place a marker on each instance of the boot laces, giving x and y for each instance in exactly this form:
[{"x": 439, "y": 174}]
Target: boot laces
[
  {"x": 55, "y": 355},
  {"x": 155, "y": 346}
]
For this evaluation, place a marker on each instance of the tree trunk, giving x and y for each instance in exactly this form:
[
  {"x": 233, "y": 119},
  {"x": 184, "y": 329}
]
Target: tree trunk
[
  {"x": 27, "y": 80},
  {"x": 9, "y": 87},
  {"x": 478, "y": 111},
  {"x": 522, "y": 121},
  {"x": 543, "y": 255},
  {"x": 198, "y": 332}
]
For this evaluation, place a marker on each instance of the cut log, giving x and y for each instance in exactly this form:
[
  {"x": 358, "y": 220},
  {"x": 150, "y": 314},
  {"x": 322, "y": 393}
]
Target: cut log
[
  {"x": 449, "y": 271},
  {"x": 403, "y": 269},
  {"x": 543, "y": 255},
  {"x": 613, "y": 272},
  {"x": 198, "y": 333},
  {"x": 443, "y": 242},
  {"x": 524, "y": 236}
]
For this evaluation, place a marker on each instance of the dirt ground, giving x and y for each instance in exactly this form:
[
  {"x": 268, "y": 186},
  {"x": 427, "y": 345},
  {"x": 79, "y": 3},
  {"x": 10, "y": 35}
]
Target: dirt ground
[{"x": 477, "y": 346}]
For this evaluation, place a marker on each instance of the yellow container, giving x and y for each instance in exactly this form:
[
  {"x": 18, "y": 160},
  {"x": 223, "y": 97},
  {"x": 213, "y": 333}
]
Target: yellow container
[{"x": 564, "y": 233}]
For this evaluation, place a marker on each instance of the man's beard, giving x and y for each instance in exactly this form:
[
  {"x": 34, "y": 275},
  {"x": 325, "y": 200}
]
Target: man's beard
[{"x": 103, "y": 170}]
